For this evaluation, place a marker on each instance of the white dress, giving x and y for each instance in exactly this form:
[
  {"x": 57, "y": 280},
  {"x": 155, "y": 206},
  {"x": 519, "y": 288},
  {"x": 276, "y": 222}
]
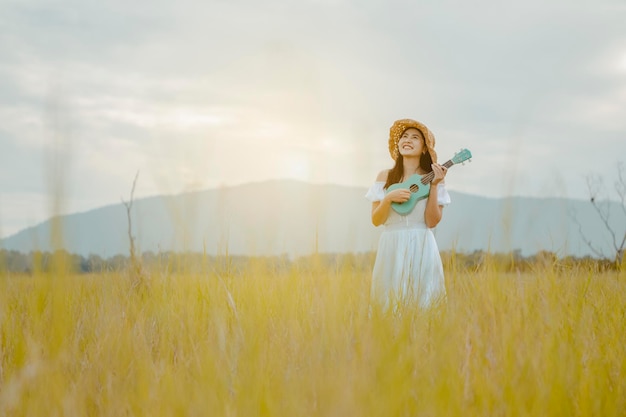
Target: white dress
[{"x": 408, "y": 266}]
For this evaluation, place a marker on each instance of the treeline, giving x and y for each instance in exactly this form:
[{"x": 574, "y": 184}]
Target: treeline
[
  {"x": 163, "y": 262},
  {"x": 193, "y": 262},
  {"x": 515, "y": 262}
]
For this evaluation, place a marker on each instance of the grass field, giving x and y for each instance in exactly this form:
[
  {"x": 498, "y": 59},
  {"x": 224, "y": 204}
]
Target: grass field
[{"x": 303, "y": 341}]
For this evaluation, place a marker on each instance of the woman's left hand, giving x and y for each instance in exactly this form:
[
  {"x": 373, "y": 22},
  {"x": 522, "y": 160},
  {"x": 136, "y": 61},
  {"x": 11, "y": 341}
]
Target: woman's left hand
[{"x": 440, "y": 173}]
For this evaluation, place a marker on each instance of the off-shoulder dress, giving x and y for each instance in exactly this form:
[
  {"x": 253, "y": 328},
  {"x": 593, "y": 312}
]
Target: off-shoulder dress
[{"x": 408, "y": 266}]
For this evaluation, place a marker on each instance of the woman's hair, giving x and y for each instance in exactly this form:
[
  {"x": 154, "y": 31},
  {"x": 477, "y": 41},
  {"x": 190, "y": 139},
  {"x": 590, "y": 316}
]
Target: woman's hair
[{"x": 395, "y": 173}]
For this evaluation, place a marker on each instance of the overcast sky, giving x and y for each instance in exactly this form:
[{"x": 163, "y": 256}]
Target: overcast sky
[{"x": 198, "y": 94}]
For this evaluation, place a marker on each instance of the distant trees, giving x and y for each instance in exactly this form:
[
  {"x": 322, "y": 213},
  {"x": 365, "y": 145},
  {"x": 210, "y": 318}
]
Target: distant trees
[
  {"x": 199, "y": 263},
  {"x": 515, "y": 262},
  {"x": 14, "y": 261}
]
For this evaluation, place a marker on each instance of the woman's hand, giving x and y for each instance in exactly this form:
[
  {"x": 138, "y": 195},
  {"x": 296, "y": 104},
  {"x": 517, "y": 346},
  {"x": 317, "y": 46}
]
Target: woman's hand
[
  {"x": 440, "y": 173},
  {"x": 380, "y": 209},
  {"x": 399, "y": 195}
]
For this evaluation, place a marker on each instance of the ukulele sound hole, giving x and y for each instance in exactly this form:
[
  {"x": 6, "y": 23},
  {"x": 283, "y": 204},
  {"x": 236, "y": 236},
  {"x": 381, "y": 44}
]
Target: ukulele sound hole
[{"x": 414, "y": 188}]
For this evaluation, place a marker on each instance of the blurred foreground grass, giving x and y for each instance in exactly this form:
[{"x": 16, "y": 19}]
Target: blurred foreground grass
[{"x": 302, "y": 341}]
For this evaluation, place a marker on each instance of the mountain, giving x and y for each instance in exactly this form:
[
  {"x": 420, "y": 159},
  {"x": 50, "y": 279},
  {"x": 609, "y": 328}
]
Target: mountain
[{"x": 298, "y": 218}]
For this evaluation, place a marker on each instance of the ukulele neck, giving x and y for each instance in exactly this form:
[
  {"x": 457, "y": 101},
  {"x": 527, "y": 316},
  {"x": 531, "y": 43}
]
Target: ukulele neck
[{"x": 427, "y": 178}]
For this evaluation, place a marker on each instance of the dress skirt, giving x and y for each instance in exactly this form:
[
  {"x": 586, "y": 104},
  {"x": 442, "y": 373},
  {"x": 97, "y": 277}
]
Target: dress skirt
[{"x": 408, "y": 267}]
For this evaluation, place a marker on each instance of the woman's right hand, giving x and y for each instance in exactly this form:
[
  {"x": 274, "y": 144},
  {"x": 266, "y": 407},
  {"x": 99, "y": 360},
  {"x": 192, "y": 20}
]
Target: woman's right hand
[
  {"x": 399, "y": 195},
  {"x": 380, "y": 209}
]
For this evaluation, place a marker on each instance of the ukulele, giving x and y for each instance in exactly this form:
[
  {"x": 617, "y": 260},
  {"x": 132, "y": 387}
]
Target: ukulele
[{"x": 419, "y": 185}]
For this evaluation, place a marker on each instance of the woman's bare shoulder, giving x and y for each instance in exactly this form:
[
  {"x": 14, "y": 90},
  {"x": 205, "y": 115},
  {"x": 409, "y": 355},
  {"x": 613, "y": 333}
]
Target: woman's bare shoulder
[{"x": 382, "y": 175}]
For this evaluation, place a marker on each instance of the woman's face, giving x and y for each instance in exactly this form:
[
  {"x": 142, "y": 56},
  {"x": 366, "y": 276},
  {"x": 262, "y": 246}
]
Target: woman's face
[{"x": 411, "y": 142}]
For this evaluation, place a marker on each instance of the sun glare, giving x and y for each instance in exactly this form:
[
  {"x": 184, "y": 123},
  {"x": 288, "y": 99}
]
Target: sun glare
[{"x": 299, "y": 168}]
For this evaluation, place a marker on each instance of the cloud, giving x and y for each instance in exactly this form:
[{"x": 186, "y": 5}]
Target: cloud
[{"x": 197, "y": 94}]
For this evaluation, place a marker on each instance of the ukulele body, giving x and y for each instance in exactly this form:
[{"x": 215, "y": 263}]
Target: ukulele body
[{"x": 419, "y": 191}]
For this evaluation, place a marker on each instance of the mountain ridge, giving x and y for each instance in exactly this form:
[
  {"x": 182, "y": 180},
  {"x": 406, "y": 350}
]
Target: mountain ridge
[{"x": 294, "y": 217}]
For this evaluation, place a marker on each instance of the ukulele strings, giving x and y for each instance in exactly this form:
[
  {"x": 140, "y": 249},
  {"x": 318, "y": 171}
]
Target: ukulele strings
[{"x": 427, "y": 178}]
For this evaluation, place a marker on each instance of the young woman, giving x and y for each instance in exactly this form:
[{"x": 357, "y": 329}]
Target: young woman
[{"x": 408, "y": 267}]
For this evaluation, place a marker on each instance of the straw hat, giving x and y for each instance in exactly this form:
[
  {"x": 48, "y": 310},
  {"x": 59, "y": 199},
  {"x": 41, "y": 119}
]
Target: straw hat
[{"x": 398, "y": 128}]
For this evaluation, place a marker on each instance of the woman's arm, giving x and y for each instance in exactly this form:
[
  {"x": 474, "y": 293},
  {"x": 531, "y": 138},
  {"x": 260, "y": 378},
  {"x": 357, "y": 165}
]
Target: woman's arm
[
  {"x": 380, "y": 209},
  {"x": 434, "y": 211}
]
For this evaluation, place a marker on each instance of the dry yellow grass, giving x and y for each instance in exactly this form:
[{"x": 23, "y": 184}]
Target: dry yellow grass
[{"x": 302, "y": 341}]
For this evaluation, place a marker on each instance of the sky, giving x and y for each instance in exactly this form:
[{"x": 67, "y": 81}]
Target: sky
[{"x": 193, "y": 94}]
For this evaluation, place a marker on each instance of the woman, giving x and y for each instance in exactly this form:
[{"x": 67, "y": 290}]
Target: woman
[{"x": 408, "y": 267}]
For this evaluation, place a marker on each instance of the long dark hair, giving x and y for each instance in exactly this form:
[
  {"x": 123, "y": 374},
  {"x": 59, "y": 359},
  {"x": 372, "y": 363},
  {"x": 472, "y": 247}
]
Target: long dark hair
[{"x": 395, "y": 173}]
